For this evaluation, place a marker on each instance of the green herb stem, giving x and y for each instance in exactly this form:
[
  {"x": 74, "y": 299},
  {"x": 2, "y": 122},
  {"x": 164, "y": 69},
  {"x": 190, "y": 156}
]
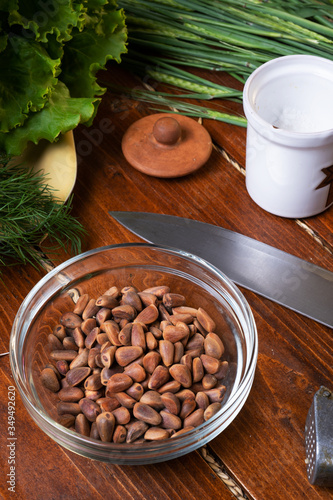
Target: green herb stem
[
  {"x": 175, "y": 105},
  {"x": 29, "y": 211},
  {"x": 234, "y": 36}
]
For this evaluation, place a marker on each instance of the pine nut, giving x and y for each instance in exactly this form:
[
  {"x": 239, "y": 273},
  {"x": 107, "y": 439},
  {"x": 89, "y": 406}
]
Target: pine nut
[{"x": 134, "y": 366}]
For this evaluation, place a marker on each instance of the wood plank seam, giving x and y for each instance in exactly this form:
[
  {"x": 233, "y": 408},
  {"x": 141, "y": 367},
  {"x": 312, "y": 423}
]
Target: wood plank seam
[
  {"x": 315, "y": 236},
  {"x": 230, "y": 160},
  {"x": 230, "y": 483},
  {"x": 152, "y": 89}
]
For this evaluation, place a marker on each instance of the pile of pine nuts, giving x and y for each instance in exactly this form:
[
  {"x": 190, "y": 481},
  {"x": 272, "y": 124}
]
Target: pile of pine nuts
[{"x": 135, "y": 366}]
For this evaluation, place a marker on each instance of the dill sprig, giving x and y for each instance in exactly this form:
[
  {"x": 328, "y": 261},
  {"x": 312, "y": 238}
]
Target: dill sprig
[{"x": 30, "y": 212}]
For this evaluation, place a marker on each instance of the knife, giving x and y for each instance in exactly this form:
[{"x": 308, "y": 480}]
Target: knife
[{"x": 292, "y": 282}]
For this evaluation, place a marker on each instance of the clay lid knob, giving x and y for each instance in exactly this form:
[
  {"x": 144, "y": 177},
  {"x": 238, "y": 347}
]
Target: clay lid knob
[
  {"x": 167, "y": 131},
  {"x": 165, "y": 146}
]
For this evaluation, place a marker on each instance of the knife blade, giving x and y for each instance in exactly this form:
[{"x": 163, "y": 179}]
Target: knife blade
[{"x": 284, "y": 278}]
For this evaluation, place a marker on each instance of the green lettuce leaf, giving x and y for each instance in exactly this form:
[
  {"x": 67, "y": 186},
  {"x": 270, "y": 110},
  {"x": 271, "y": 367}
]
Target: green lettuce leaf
[
  {"x": 8, "y": 5},
  {"x": 97, "y": 4},
  {"x": 3, "y": 41},
  {"x": 60, "y": 114},
  {"x": 88, "y": 52},
  {"x": 50, "y": 52},
  {"x": 44, "y": 17},
  {"x": 27, "y": 76}
]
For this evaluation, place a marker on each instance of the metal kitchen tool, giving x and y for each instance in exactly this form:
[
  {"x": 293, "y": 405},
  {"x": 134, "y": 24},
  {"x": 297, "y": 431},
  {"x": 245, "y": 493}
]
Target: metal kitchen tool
[
  {"x": 319, "y": 439},
  {"x": 272, "y": 273},
  {"x": 166, "y": 145}
]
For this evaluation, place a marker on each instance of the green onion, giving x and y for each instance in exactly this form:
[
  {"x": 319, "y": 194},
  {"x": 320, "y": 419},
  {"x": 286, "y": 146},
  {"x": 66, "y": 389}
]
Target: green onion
[
  {"x": 234, "y": 36},
  {"x": 166, "y": 73},
  {"x": 170, "y": 101}
]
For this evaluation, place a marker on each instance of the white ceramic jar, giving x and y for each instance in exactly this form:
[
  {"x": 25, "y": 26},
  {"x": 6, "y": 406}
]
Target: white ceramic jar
[{"x": 288, "y": 103}]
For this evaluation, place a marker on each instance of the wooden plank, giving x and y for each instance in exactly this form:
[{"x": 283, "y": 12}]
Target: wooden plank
[
  {"x": 44, "y": 469},
  {"x": 265, "y": 445},
  {"x": 263, "y": 449}
]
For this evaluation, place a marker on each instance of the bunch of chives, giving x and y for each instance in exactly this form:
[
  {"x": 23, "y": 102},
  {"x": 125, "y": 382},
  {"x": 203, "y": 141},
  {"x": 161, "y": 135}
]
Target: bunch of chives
[{"x": 234, "y": 36}]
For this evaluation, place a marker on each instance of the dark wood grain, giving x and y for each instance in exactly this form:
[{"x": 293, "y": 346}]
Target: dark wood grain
[{"x": 263, "y": 449}]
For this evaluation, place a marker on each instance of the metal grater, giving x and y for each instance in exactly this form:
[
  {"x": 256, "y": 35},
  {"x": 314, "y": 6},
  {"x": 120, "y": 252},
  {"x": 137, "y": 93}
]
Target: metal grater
[{"x": 319, "y": 439}]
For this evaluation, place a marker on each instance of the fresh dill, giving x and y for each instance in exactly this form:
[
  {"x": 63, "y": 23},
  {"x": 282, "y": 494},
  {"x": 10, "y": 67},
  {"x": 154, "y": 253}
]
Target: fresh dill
[{"x": 30, "y": 212}]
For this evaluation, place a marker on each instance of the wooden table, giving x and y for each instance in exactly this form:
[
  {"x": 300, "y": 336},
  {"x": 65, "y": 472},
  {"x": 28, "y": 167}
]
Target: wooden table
[{"x": 261, "y": 455}]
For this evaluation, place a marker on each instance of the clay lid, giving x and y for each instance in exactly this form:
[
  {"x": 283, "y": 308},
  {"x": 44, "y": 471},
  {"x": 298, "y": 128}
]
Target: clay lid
[{"x": 166, "y": 145}]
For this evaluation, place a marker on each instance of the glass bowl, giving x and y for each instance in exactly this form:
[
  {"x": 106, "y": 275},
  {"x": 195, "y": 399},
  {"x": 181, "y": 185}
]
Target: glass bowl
[{"x": 141, "y": 266}]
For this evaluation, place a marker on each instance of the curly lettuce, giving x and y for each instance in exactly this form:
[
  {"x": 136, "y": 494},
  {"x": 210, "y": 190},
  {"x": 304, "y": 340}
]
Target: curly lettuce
[{"x": 50, "y": 53}]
